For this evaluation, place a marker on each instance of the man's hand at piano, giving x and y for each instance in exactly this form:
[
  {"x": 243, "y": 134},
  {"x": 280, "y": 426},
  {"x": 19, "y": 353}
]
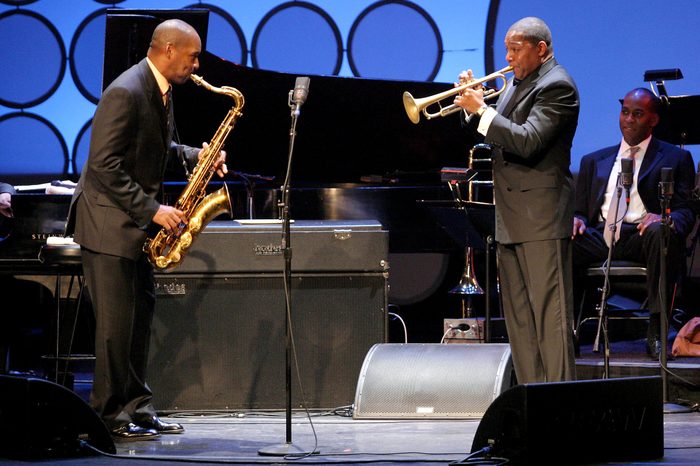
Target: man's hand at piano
[
  {"x": 169, "y": 217},
  {"x": 6, "y": 204},
  {"x": 219, "y": 164}
]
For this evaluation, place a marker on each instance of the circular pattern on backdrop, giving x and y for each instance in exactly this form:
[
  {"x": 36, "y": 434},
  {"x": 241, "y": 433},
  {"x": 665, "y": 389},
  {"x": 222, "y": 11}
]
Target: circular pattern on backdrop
[
  {"x": 87, "y": 50},
  {"x": 37, "y": 66},
  {"x": 81, "y": 148},
  {"x": 18, "y": 2},
  {"x": 298, "y": 37},
  {"x": 395, "y": 39},
  {"x": 225, "y": 37},
  {"x": 37, "y": 145}
]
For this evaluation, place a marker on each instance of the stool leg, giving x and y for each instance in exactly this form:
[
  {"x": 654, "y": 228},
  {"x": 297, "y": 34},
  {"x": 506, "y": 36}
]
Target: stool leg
[
  {"x": 75, "y": 324},
  {"x": 58, "y": 326}
]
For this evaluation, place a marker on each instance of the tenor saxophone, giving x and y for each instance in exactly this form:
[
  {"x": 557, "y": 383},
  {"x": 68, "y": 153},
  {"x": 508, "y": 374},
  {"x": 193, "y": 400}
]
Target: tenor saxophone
[{"x": 168, "y": 248}]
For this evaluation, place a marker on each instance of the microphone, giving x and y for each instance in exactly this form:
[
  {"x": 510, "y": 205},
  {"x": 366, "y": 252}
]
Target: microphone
[
  {"x": 626, "y": 176},
  {"x": 298, "y": 96},
  {"x": 666, "y": 183}
]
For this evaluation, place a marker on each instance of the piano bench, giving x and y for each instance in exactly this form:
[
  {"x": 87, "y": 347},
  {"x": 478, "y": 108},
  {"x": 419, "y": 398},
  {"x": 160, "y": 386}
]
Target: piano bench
[{"x": 64, "y": 260}]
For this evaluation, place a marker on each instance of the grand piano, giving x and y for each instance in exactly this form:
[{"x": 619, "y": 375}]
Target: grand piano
[
  {"x": 356, "y": 153},
  {"x": 356, "y": 156}
]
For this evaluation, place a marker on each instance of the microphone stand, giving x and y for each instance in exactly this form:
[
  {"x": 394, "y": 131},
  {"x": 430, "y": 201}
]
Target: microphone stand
[
  {"x": 287, "y": 448},
  {"x": 603, "y": 306},
  {"x": 665, "y": 199},
  {"x": 249, "y": 181}
]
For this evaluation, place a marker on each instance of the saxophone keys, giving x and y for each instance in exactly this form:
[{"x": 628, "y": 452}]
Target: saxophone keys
[{"x": 185, "y": 242}]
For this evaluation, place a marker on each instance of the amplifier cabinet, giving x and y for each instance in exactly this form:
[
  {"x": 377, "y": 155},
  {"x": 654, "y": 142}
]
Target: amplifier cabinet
[
  {"x": 218, "y": 340},
  {"x": 317, "y": 246}
]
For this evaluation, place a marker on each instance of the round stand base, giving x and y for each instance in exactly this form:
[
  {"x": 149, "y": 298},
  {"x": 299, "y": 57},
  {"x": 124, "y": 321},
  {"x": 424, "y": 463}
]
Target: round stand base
[
  {"x": 673, "y": 408},
  {"x": 284, "y": 449}
]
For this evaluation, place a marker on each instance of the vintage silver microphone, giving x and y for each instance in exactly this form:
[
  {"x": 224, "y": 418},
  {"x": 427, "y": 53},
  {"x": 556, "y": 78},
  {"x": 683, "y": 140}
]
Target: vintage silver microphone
[{"x": 627, "y": 177}]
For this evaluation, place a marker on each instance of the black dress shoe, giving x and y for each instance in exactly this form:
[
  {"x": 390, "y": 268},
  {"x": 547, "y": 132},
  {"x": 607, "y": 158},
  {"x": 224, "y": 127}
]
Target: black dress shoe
[
  {"x": 654, "y": 348},
  {"x": 160, "y": 426},
  {"x": 132, "y": 432}
]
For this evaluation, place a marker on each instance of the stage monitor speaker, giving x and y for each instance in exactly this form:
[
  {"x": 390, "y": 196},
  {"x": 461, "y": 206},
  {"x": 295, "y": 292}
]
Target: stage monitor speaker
[
  {"x": 576, "y": 422},
  {"x": 428, "y": 380},
  {"x": 41, "y": 419},
  {"x": 218, "y": 341}
]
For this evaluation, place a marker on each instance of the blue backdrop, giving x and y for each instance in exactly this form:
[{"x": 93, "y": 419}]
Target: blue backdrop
[{"x": 52, "y": 56}]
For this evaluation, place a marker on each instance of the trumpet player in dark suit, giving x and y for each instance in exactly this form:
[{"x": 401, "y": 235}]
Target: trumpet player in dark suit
[
  {"x": 113, "y": 206},
  {"x": 531, "y": 131}
]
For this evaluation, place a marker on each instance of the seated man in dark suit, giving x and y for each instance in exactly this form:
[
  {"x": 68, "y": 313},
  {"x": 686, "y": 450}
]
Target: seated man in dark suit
[{"x": 640, "y": 229}]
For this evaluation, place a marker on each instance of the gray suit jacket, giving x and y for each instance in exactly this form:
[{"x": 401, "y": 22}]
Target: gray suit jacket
[
  {"x": 115, "y": 199},
  {"x": 531, "y": 137}
]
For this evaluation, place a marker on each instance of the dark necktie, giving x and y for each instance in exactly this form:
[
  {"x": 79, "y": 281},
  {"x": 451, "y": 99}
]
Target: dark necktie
[{"x": 168, "y": 100}]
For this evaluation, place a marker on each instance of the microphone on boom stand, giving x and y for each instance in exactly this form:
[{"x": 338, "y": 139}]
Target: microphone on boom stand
[
  {"x": 665, "y": 195},
  {"x": 666, "y": 189},
  {"x": 297, "y": 97},
  {"x": 627, "y": 176}
]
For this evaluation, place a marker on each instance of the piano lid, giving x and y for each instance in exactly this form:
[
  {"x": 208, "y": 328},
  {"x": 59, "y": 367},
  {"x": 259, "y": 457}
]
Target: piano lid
[
  {"x": 680, "y": 122},
  {"x": 36, "y": 218},
  {"x": 349, "y": 129}
]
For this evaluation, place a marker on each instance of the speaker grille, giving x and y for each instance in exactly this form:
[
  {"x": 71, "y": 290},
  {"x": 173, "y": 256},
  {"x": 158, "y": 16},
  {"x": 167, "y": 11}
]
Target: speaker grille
[
  {"x": 218, "y": 342},
  {"x": 431, "y": 380}
]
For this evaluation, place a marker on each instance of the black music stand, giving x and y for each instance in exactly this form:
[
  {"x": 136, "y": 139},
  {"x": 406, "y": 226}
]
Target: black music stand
[
  {"x": 680, "y": 123},
  {"x": 475, "y": 229}
]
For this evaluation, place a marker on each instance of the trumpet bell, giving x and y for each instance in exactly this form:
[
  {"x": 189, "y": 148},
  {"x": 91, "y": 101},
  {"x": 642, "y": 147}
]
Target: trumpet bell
[
  {"x": 412, "y": 110},
  {"x": 468, "y": 285}
]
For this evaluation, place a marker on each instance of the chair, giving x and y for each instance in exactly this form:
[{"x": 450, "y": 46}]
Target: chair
[
  {"x": 63, "y": 258},
  {"x": 631, "y": 274}
]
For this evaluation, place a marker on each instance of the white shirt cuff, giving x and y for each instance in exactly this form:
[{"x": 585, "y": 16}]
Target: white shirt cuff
[{"x": 486, "y": 119}]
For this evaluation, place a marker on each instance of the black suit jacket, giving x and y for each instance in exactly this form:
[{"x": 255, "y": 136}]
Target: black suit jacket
[
  {"x": 596, "y": 167},
  {"x": 115, "y": 199},
  {"x": 531, "y": 137}
]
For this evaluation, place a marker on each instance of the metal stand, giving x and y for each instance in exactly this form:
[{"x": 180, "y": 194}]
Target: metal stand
[
  {"x": 669, "y": 408},
  {"x": 249, "y": 181},
  {"x": 605, "y": 291},
  {"x": 287, "y": 448},
  {"x": 468, "y": 285}
]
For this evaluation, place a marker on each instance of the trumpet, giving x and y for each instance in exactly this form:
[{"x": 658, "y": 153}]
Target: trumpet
[{"x": 414, "y": 107}]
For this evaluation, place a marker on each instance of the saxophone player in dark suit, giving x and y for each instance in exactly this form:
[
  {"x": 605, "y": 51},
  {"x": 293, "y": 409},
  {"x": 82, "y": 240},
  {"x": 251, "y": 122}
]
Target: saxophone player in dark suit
[
  {"x": 531, "y": 131},
  {"x": 112, "y": 207},
  {"x": 640, "y": 228}
]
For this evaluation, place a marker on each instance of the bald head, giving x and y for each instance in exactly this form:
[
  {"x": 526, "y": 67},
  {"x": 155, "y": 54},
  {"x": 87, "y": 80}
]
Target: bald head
[
  {"x": 174, "y": 50},
  {"x": 172, "y": 31},
  {"x": 533, "y": 30},
  {"x": 639, "y": 115}
]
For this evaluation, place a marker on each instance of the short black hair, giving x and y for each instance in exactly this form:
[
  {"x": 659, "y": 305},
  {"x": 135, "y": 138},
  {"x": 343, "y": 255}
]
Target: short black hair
[
  {"x": 534, "y": 30},
  {"x": 656, "y": 105}
]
